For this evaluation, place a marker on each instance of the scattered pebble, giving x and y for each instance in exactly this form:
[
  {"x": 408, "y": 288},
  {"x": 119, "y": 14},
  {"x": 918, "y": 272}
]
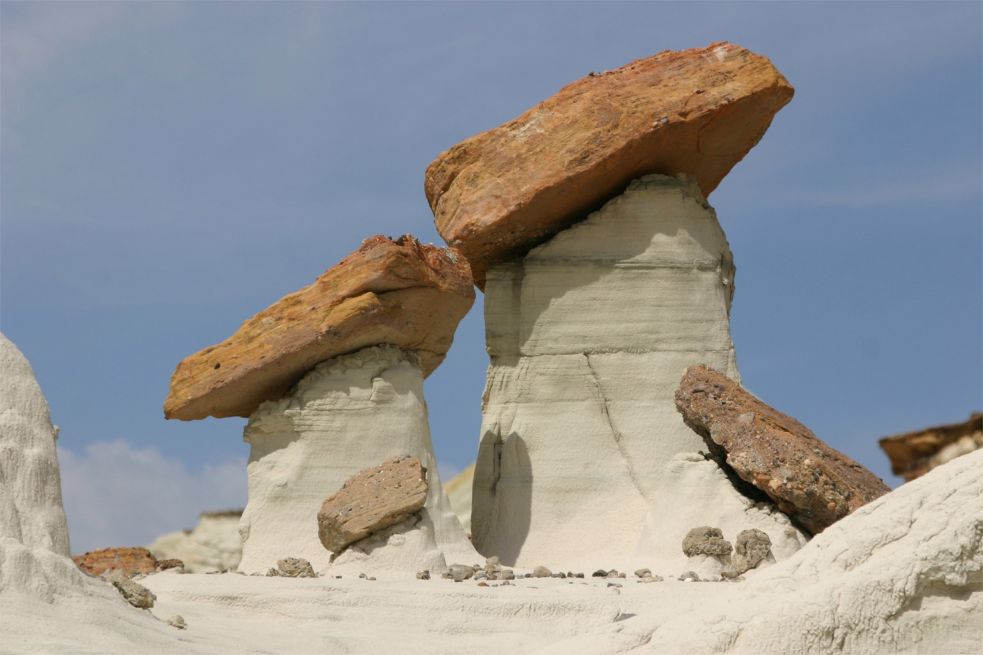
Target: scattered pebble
[
  {"x": 541, "y": 572},
  {"x": 292, "y": 567},
  {"x": 459, "y": 572},
  {"x": 135, "y": 594},
  {"x": 423, "y": 575},
  {"x": 689, "y": 576},
  {"x": 178, "y": 622},
  {"x": 643, "y": 573}
]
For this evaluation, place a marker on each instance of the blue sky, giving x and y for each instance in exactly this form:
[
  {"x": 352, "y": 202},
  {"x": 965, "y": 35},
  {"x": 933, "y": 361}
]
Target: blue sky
[{"x": 168, "y": 169}]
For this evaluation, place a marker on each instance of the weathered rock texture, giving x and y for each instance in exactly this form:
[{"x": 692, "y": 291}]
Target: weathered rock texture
[
  {"x": 371, "y": 500},
  {"x": 129, "y": 561},
  {"x": 914, "y": 454},
  {"x": 588, "y": 335},
  {"x": 750, "y": 549},
  {"x": 397, "y": 292},
  {"x": 213, "y": 544},
  {"x": 811, "y": 482},
  {"x": 695, "y": 111},
  {"x": 706, "y": 540},
  {"x": 135, "y": 594},
  {"x": 31, "y": 510},
  {"x": 346, "y": 415}
]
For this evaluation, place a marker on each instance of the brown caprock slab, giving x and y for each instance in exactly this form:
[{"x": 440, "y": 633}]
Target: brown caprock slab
[
  {"x": 371, "y": 500},
  {"x": 397, "y": 292},
  {"x": 914, "y": 454},
  {"x": 128, "y": 560},
  {"x": 697, "y": 112},
  {"x": 809, "y": 481}
]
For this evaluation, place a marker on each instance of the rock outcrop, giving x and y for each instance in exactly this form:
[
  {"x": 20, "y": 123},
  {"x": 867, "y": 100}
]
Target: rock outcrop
[
  {"x": 814, "y": 484},
  {"x": 128, "y": 561},
  {"x": 345, "y": 416},
  {"x": 214, "y": 544},
  {"x": 914, "y": 454},
  {"x": 31, "y": 511},
  {"x": 695, "y": 111},
  {"x": 398, "y": 292},
  {"x": 371, "y": 500},
  {"x": 588, "y": 335}
]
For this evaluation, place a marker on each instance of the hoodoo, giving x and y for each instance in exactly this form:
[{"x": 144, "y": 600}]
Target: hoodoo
[
  {"x": 331, "y": 378},
  {"x": 605, "y": 274}
]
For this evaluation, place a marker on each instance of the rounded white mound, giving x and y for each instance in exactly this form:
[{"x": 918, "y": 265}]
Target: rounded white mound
[
  {"x": 348, "y": 414},
  {"x": 213, "y": 545}
]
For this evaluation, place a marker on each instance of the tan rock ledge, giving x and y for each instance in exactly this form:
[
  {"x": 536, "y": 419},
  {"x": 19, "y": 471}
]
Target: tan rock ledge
[
  {"x": 396, "y": 292},
  {"x": 698, "y": 112}
]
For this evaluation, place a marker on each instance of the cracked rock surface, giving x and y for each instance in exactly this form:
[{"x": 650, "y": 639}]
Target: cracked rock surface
[
  {"x": 813, "y": 483},
  {"x": 587, "y": 336},
  {"x": 696, "y": 111},
  {"x": 707, "y": 541}
]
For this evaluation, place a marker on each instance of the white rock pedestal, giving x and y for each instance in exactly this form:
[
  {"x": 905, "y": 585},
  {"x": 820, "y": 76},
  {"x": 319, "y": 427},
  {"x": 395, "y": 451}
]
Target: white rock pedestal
[
  {"x": 348, "y": 414},
  {"x": 588, "y": 336}
]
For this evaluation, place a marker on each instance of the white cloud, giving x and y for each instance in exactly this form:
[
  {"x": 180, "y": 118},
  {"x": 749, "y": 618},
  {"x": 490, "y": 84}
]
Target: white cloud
[
  {"x": 118, "y": 495},
  {"x": 37, "y": 35}
]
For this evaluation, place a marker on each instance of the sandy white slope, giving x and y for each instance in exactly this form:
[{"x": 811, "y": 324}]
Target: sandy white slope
[{"x": 348, "y": 414}]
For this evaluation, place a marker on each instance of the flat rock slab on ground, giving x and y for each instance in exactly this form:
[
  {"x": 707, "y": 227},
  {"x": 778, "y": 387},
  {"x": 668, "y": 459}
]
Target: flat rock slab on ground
[
  {"x": 397, "y": 292},
  {"x": 811, "y": 482},
  {"x": 914, "y": 454},
  {"x": 128, "y": 560},
  {"x": 697, "y": 112},
  {"x": 371, "y": 500}
]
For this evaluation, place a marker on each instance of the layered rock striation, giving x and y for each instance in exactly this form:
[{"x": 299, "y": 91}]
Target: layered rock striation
[
  {"x": 399, "y": 292},
  {"x": 345, "y": 416},
  {"x": 588, "y": 335},
  {"x": 696, "y": 112}
]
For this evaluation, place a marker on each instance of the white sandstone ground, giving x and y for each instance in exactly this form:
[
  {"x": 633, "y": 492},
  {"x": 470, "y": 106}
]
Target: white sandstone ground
[
  {"x": 348, "y": 414},
  {"x": 214, "y": 544},
  {"x": 589, "y": 335}
]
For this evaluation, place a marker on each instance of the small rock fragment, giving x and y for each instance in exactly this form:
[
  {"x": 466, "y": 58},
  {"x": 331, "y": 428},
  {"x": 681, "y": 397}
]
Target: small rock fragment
[
  {"x": 643, "y": 573},
  {"x": 651, "y": 578},
  {"x": 541, "y": 572},
  {"x": 423, "y": 575},
  {"x": 506, "y": 574},
  {"x": 178, "y": 622},
  {"x": 705, "y": 540},
  {"x": 689, "y": 576},
  {"x": 459, "y": 572},
  {"x": 168, "y": 564},
  {"x": 599, "y": 573}
]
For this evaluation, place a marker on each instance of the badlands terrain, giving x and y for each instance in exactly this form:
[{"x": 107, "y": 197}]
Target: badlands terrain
[{"x": 628, "y": 494}]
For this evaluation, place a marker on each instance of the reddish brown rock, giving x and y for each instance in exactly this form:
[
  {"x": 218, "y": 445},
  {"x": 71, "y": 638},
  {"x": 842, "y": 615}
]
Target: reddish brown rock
[
  {"x": 397, "y": 292},
  {"x": 129, "y": 561},
  {"x": 812, "y": 483},
  {"x": 371, "y": 500},
  {"x": 914, "y": 454},
  {"x": 697, "y": 112}
]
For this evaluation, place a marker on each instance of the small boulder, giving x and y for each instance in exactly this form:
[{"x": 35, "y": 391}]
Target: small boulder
[
  {"x": 135, "y": 594},
  {"x": 541, "y": 572},
  {"x": 706, "y": 541},
  {"x": 178, "y": 622},
  {"x": 750, "y": 549},
  {"x": 372, "y": 500},
  {"x": 293, "y": 567},
  {"x": 459, "y": 572}
]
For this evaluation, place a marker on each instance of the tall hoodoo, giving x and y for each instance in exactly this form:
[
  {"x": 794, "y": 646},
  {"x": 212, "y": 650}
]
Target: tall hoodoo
[
  {"x": 331, "y": 378},
  {"x": 606, "y": 274}
]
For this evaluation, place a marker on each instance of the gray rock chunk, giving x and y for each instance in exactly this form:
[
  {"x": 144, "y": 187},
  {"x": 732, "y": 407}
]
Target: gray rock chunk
[
  {"x": 372, "y": 500},
  {"x": 750, "y": 549},
  {"x": 178, "y": 622},
  {"x": 706, "y": 540},
  {"x": 541, "y": 572},
  {"x": 293, "y": 567},
  {"x": 135, "y": 594},
  {"x": 459, "y": 572}
]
